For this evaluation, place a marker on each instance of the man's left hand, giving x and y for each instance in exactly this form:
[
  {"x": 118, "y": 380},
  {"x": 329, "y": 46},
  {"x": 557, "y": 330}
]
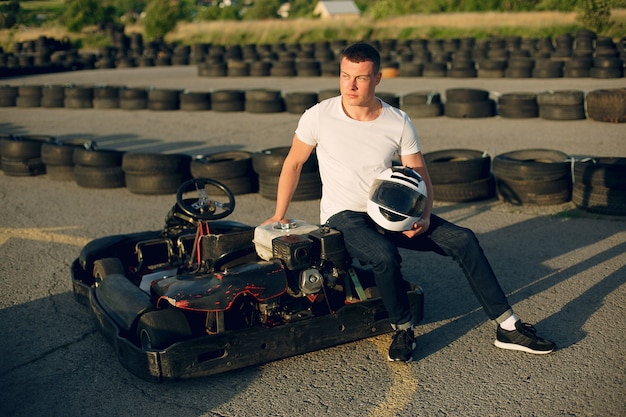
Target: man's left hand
[{"x": 419, "y": 227}]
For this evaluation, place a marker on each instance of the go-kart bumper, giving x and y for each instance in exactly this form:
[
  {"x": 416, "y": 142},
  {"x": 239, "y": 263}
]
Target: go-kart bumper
[{"x": 218, "y": 353}]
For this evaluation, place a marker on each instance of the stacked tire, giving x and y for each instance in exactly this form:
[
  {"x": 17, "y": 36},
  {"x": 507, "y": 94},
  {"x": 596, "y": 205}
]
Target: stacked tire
[
  {"x": 154, "y": 173},
  {"x": 21, "y": 155},
  {"x": 29, "y": 96},
  {"x": 469, "y": 103},
  {"x": 561, "y": 105},
  {"x": 269, "y": 162},
  {"x": 298, "y": 102},
  {"x": 460, "y": 175},
  {"x": 422, "y": 104},
  {"x": 607, "y": 105},
  {"x": 518, "y": 105},
  {"x": 228, "y": 100},
  {"x": 78, "y": 97},
  {"x": 163, "y": 99},
  {"x": 600, "y": 185},
  {"x": 106, "y": 97},
  {"x": 533, "y": 177},
  {"x": 233, "y": 169},
  {"x": 264, "y": 101},
  {"x": 58, "y": 157},
  {"x": 95, "y": 168}
]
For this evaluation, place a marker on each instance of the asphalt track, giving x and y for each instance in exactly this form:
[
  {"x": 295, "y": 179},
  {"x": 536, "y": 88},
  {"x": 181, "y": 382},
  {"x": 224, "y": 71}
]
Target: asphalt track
[{"x": 563, "y": 269}]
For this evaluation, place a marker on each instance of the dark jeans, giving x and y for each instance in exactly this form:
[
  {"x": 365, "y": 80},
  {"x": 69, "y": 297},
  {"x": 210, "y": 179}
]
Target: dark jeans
[{"x": 366, "y": 243}]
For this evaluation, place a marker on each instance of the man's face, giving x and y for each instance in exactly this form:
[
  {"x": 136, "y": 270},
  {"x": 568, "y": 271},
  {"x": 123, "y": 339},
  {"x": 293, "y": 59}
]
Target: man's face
[{"x": 357, "y": 82}]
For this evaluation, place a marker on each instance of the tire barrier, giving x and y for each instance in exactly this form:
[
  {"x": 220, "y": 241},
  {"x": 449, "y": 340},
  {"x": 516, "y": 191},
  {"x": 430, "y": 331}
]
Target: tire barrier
[
  {"x": 96, "y": 168},
  {"x": 460, "y": 175},
  {"x": 233, "y": 169},
  {"x": 469, "y": 103},
  {"x": 422, "y": 104},
  {"x": 533, "y": 176},
  {"x": 518, "y": 105},
  {"x": 154, "y": 173},
  {"x": 600, "y": 185},
  {"x": 561, "y": 105},
  {"x": 607, "y": 105},
  {"x": 522, "y": 177},
  {"x": 582, "y": 54},
  {"x": 20, "y": 156},
  {"x": 58, "y": 157}
]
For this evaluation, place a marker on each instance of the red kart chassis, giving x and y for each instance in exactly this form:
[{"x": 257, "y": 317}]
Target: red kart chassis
[{"x": 184, "y": 302}]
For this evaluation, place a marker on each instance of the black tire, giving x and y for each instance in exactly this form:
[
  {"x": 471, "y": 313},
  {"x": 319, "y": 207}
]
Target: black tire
[
  {"x": 157, "y": 330},
  {"x": 466, "y": 95},
  {"x": 58, "y": 153},
  {"x": 246, "y": 184},
  {"x": 222, "y": 165},
  {"x": 600, "y": 200},
  {"x": 154, "y": 184},
  {"x": 99, "y": 176},
  {"x": 537, "y": 192},
  {"x": 298, "y": 102},
  {"x": 276, "y": 106},
  {"x": 457, "y": 166},
  {"x": 22, "y": 167},
  {"x": 561, "y": 98},
  {"x": 309, "y": 187},
  {"x": 60, "y": 172},
  {"x": 607, "y": 172},
  {"x": 107, "y": 266},
  {"x": 532, "y": 164},
  {"x": 480, "y": 189},
  {"x": 22, "y": 147},
  {"x": 270, "y": 161},
  {"x": 97, "y": 158},
  {"x": 607, "y": 105},
  {"x": 154, "y": 163},
  {"x": 554, "y": 112},
  {"x": 476, "y": 109}
]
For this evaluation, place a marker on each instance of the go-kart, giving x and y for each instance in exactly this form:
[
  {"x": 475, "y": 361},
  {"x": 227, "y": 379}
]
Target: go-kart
[{"x": 207, "y": 295}]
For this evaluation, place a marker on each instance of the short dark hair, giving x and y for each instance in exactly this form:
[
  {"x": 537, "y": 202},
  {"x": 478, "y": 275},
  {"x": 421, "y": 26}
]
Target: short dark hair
[{"x": 362, "y": 52}]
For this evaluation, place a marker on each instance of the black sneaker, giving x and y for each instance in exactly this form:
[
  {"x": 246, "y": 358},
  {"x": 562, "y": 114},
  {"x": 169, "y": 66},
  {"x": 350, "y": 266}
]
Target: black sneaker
[
  {"x": 523, "y": 338},
  {"x": 402, "y": 346}
]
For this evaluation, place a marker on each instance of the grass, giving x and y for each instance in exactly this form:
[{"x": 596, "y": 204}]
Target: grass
[{"x": 453, "y": 25}]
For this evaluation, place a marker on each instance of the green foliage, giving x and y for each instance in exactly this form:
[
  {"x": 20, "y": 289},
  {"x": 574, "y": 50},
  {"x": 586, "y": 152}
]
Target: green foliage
[
  {"x": 9, "y": 14},
  {"x": 219, "y": 13},
  {"x": 161, "y": 18},
  {"x": 81, "y": 13},
  {"x": 301, "y": 8},
  {"x": 262, "y": 9},
  {"x": 595, "y": 14}
]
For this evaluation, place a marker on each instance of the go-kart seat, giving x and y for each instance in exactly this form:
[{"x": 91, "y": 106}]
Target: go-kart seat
[{"x": 228, "y": 242}]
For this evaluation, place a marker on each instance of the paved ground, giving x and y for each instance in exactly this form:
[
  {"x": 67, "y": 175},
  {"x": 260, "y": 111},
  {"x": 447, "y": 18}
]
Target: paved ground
[{"x": 563, "y": 270}]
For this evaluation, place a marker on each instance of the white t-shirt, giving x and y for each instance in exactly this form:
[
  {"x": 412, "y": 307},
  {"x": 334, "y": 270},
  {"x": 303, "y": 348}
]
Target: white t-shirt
[{"x": 352, "y": 153}]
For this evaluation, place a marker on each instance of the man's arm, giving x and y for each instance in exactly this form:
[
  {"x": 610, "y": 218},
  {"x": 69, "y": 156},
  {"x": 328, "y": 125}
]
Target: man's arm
[
  {"x": 289, "y": 177},
  {"x": 417, "y": 162}
]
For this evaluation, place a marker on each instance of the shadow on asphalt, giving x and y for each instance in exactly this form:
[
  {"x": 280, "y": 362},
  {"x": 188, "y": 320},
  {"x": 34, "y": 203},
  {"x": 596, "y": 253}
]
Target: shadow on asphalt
[{"x": 521, "y": 255}]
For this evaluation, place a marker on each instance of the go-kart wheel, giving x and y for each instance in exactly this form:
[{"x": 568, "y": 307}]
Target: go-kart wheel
[
  {"x": 159, "y": 329},
  {"x": 203, "y": 207}
]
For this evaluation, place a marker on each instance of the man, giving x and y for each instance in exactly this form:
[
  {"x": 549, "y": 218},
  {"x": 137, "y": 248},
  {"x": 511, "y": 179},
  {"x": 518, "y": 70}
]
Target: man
[{"x": 356, "y": 137}]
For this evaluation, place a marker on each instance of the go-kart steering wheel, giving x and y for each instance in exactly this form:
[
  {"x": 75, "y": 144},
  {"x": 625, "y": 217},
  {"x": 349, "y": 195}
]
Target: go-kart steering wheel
[{"x": 204, "y": 208}]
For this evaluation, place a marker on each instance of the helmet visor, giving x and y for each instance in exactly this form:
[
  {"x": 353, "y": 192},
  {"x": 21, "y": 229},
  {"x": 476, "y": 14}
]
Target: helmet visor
[{"x": 398, "y": 198}]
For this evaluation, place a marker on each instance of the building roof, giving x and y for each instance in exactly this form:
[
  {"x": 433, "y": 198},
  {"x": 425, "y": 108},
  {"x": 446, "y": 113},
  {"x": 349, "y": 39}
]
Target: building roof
[{"x": 339, "y": 7}]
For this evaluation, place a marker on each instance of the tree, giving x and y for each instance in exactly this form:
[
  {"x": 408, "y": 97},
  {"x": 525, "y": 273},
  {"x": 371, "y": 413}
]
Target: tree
[
  {"x": 595, "y": 14},
  {"x": 9, "y": 13},
  {"x": 263, "y": 9},
  {"x": 81, "y": 13},
  {"x": 161, "y": 18}
]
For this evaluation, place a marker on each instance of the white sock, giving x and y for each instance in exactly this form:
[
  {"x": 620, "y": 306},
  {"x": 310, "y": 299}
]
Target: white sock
[{"x": 509, "y": 324}]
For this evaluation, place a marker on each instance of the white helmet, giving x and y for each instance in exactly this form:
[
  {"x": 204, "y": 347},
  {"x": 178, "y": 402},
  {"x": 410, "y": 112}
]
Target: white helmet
[{"x": 397, "y": 198}]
